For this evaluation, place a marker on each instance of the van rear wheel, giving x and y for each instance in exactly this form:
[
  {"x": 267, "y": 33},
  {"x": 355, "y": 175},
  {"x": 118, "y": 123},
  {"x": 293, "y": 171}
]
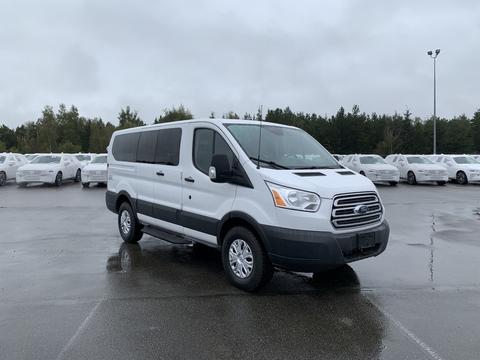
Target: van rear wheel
[
  {"x": 128, "y": 224},
  {"x": 245, "y": 261}
]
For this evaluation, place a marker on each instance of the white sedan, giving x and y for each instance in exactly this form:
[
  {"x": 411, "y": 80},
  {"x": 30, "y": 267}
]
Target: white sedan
[
  {"x": 49, "y": 169},
  {"x": 418, "y": 168},
  {"x": 96, "y": 171},
  {"x": 461, "y": 168},
  {"x": 9, "y": 164},
  {"x": 374, "y": 167}
]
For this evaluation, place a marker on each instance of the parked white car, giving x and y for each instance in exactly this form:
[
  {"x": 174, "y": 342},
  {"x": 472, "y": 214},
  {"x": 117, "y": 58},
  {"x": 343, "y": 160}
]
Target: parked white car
[
  {"x": 372, "y": 166},
  {"x": 418, "y": 169},
  {"x": 461, "y": 168},
  {"x": 279, "y": 200},
  {"x": 96, "y": 171},
  {"x": 49, "y": 169},
  {"x": 9, "y": 164},
  {"x": 84, "y": 159}
]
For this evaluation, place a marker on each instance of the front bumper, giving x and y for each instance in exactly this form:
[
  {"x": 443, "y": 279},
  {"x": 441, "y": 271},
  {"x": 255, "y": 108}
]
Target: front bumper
[
  {"x": 426, "y": 177},
  {"x": 378, "y": 177},
  {"x": 475, "y": 177},
  {"x": 27, "y": 179},
  {"x": 94, "y": 177},
  {"x": 311, "y": 251}
]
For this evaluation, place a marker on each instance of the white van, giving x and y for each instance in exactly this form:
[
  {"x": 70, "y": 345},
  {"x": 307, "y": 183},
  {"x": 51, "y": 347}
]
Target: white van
[{"x": 203, "y": 181}]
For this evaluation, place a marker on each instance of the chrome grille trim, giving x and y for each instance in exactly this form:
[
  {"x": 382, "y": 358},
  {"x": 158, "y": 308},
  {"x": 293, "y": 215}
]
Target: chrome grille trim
[{"x": 343, "y": 215}]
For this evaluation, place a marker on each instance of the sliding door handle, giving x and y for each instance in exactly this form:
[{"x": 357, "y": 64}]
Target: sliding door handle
[
  {"x": 189, "y": 179},
  {"x": 160, "y": 173}
]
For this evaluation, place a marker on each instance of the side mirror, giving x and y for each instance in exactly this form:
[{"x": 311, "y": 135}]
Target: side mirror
[{"x": 219, "y": 170}]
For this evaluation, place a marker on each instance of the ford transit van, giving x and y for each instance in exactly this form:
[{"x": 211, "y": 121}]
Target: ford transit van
[{"x": 266, "y": 195}]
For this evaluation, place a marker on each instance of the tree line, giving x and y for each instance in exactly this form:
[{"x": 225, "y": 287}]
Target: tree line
[{"x": 65, "y": 130}]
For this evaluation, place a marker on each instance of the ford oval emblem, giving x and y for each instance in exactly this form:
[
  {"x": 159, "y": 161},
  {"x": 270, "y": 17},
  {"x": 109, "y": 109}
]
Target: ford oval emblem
[{"x": 360, "y": 209}]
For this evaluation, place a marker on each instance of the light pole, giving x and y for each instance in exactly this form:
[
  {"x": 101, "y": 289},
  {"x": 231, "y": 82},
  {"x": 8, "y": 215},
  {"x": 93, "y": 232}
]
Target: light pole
[{"x": 434, "y": 55}]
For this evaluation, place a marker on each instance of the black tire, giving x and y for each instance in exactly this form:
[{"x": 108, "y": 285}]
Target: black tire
[
  {"x": 58, "y": 179},
  {"x": 462, "y": 178},
  {"x": 393, "y": 183},
  {"x": 261, "y": 269},
  {"x": 441, "y": 183},
  {"x": 3, "y": 178},
  {"x": 412, "y": 180},
  {"x": 78, "y": 176},
  {"x": 22, "y": 185},
  {"x": 85, "y": 185},
  {"x": 128, "y": 225}
]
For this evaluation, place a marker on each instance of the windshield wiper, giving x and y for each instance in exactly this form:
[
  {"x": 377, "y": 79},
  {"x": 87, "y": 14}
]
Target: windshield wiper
[{"x": 268, "y": 162}]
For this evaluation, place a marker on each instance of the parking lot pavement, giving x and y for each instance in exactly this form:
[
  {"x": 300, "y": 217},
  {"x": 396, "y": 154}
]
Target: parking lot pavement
[{"x": 70, "y": 289}]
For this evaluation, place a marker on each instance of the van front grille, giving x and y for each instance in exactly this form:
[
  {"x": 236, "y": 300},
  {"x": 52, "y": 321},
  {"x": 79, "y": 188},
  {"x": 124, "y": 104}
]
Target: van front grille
[{"x": 345, "y": 216}]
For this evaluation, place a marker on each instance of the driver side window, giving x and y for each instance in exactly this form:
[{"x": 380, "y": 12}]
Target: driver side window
[{"x": 206, "y": 143}]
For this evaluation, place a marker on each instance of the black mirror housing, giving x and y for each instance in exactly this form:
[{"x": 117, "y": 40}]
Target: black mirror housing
[{"x": 222, "y": 168}]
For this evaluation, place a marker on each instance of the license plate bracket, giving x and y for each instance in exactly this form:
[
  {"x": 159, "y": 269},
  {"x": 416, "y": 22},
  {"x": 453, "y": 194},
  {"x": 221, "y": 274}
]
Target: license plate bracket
[{"x": 366, "y": 241}]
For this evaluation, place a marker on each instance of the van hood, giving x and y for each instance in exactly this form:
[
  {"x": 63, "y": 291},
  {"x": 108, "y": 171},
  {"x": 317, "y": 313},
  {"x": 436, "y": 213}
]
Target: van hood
[
  {"x": 40, "y": 167},
  {"x": 325, "y": 182}
]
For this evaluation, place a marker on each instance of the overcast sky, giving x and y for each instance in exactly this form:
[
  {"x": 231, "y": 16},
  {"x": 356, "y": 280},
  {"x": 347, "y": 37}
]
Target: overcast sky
[{"x": 235, "y": 55}]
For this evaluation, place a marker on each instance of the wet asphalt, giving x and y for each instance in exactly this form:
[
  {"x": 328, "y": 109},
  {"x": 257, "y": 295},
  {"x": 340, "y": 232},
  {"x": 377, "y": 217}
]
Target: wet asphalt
[{"x": 70, "y": 289}]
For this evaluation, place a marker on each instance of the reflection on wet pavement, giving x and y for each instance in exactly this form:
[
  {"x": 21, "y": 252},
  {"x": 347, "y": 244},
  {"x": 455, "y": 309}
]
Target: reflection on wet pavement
[{"x": 75, "y": 279}]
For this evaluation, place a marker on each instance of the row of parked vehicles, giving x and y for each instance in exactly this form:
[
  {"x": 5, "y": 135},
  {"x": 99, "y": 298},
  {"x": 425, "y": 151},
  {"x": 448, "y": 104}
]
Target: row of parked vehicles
[
  {"x": 414, "y": 168},
  {"x": 53, "y": 168}
]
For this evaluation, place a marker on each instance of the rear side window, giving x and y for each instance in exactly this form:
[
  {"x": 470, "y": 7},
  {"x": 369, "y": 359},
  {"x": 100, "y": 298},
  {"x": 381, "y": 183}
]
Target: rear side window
[
  {"x": 207, "y": 143},
  {"x": 146, "y": 147},
  {"x": 125, "y": 147},
  {"x": 168, "y": 146}
]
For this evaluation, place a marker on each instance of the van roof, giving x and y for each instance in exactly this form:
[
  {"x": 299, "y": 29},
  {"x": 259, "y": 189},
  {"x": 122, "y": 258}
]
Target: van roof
[{"x": 212, "y": 121}]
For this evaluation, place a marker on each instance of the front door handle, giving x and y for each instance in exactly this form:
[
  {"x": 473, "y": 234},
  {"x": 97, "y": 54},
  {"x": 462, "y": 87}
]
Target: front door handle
[
  {"x": 189, "y": 179},
  {"x": 160, "y": 173}
]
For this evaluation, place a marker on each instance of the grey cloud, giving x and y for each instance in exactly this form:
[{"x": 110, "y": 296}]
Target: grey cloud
[{"x": 220, "y": 56}]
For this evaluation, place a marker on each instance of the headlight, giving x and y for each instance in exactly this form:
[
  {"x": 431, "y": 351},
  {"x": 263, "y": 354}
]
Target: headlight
[{"x": 294, "y": 199}]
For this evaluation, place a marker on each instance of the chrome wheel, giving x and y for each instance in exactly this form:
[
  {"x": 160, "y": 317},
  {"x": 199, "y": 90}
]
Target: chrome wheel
[
  {"x": 241, "y": 258},
  {"x": 125, "y": 222}
]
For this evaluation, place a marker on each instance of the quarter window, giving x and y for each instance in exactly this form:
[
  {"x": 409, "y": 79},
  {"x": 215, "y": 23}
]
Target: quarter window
[{"x": 125, "y": 147}]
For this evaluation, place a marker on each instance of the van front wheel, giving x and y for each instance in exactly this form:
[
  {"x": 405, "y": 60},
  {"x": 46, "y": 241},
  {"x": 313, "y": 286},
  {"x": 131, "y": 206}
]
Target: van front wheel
[
  {"x": 245, "y": 261},
  {"x": 128, "y": 224}
]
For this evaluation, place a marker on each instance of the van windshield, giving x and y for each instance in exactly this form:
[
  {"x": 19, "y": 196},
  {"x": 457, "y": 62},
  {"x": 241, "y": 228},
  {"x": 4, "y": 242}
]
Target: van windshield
[{"x": 282, "y": 147}]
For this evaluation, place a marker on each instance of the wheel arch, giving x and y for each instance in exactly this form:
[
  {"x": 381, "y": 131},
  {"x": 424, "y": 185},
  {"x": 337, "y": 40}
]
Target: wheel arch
[
  {"x": 122, "y": 197},
  {"x": 238, "y": 218}
]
